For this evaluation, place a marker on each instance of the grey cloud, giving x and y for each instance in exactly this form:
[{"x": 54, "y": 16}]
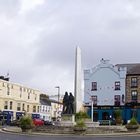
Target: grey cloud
[
  {"x": 41, "y": 43},
  {"x": 9, "y": 8}
]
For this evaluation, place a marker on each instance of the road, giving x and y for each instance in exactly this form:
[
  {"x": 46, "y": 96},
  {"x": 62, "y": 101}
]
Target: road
[{"x": 7, "y": 136}]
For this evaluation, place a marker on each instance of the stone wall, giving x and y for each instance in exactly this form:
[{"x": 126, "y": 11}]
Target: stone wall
[{"x": 89, "y": 130}]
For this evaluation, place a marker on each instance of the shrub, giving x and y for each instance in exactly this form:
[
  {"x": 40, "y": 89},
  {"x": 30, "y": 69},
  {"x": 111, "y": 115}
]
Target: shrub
[
  {"x": 133, "y": 121},
  {"x": 118, "y": 117},
  {"x": 81, "y": 115},
  {"x": 80, "y": 123},
  {"x": 26, "y": 122},
  {"x": 118, "y": 113}
]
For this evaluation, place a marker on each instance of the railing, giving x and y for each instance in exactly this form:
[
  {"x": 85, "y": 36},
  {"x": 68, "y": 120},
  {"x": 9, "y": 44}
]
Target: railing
[{"x": 104, "y": 122}]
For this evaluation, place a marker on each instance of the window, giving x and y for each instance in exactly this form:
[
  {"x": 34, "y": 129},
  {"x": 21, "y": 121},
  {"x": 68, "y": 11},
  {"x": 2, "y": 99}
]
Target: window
[
  {"x": 20, "y": 92},
  {"x": 23, "y": 107},
  {"x": 27, "y": 108},
  {"x": 134, "y": 82},
  {"x": 34, "y": 108},
  {"x": 24, "y": 90},
  {"x": 117, "y": 100},
  {"x": 94, "y": 99},
  {"x": 123, "y": 98},
  {"x": 8, "y": 89},
  {"x": 11, "y": 104},
  {"x": 94, "y": 86},
  {"x": 134, "y": 95},
  {"x": 35, "y": 96},
  {"x": 18, "y": 106},
  {"x": 28, "y": 95},
  {"x": 12, "y": 86},
  {"x": 43, "y": 108},
  {"x": 6, "y": 105},
  {"x": 117, "y": 85},
  {"x": 38, "y": 108}
]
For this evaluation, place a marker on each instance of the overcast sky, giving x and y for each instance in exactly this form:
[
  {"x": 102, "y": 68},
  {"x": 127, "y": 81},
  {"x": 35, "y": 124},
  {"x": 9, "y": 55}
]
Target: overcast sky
[{"x": 38, "y": 38}]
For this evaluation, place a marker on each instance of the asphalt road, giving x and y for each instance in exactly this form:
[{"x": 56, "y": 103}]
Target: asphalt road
[{"x": 7, "y": 136}]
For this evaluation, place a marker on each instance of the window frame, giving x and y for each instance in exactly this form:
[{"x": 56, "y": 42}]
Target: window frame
[
  {"x": 93, "y": 86},
  {"x": 134, "y": 82},
  {"x": 134, "y": 95},
  {"x": 117, "y": 100},
  {"x": 117, "y": 85}
]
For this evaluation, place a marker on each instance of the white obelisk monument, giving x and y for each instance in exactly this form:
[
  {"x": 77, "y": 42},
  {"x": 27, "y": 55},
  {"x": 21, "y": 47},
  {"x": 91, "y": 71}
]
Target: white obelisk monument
[{"x": 78, "y": 78}]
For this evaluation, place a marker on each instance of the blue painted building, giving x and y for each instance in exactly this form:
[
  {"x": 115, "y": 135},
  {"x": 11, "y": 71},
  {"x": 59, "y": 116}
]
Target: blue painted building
[{"x": 112, "y": 87}]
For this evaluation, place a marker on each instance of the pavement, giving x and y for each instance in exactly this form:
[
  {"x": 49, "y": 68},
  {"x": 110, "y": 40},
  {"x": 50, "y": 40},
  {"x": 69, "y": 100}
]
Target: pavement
[{"x": 14, "y": 129}]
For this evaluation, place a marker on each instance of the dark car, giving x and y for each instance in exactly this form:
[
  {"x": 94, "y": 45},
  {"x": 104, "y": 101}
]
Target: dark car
[
  {"x": 48, "y": 123},
  {"x": 15, "y": 123}
]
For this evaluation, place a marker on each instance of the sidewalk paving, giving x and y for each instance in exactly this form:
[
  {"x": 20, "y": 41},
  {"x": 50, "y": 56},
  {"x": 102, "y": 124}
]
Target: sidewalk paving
[{"x": 14, "y": 129}]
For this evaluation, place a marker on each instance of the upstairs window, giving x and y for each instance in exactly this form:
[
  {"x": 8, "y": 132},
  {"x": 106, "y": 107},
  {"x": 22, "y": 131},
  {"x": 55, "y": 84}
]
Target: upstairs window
[
  {"x": 8, "y": 89},
  {"x": 117, "y": 85},
  {"x": 28, "y": 95},
  {"x": 23, "y": 107},
  {"x": 117, "y": 100},
  {"x": 28, "y": 108},
  {"x": 18, "y": 106},
  {"x": 20, "y": 92},
  {"x": 11, "y": 105},
  {"x": 134, "y": 82},
  {"x": 134, "y": 96},
  {"x": 94, "y": 86},
  {"x": 34, "y": 108},
  {"x": 6, "y": 105},
  {"x": 38, "y": 108},
  {"x": 94, "y": 99}
]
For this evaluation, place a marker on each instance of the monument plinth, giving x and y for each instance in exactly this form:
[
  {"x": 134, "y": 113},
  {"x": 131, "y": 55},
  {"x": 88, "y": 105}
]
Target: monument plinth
[{"x": 67, "y": 120}]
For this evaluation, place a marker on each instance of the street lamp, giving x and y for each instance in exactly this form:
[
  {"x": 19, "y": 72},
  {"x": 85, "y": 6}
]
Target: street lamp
[
  {"x": 58, "y": 99},
  {"x": 58, "y": 92},
  {"x": 92, "y": 100}
]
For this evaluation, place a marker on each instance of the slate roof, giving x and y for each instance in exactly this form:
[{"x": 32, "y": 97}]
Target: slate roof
[
  {"x": 45, "y": 102},
  {"x": 132, "y": 69}
]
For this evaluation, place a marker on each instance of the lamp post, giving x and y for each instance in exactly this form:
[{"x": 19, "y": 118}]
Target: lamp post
[
  {"x": 92, "y": 100},
  {"x": 58, "y": 99},
  {"x": 58, "y": 92}
]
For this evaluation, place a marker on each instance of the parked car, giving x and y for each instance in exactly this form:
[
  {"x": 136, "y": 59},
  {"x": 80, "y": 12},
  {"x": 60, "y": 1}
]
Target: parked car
[
  {"x": 38, "y": 122},
  {"x": 15, "y": 123},
  {"x": 48, "y": 123}
]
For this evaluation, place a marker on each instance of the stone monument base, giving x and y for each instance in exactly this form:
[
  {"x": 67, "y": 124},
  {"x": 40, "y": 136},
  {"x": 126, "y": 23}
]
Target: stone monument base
[{"x": 67, "y": 120}]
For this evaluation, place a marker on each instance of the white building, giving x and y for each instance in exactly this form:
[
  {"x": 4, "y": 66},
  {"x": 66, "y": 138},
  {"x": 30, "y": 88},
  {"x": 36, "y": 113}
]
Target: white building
[
  {"x": 105, "y": 85},
  {"x": 45, "y": 110}
]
